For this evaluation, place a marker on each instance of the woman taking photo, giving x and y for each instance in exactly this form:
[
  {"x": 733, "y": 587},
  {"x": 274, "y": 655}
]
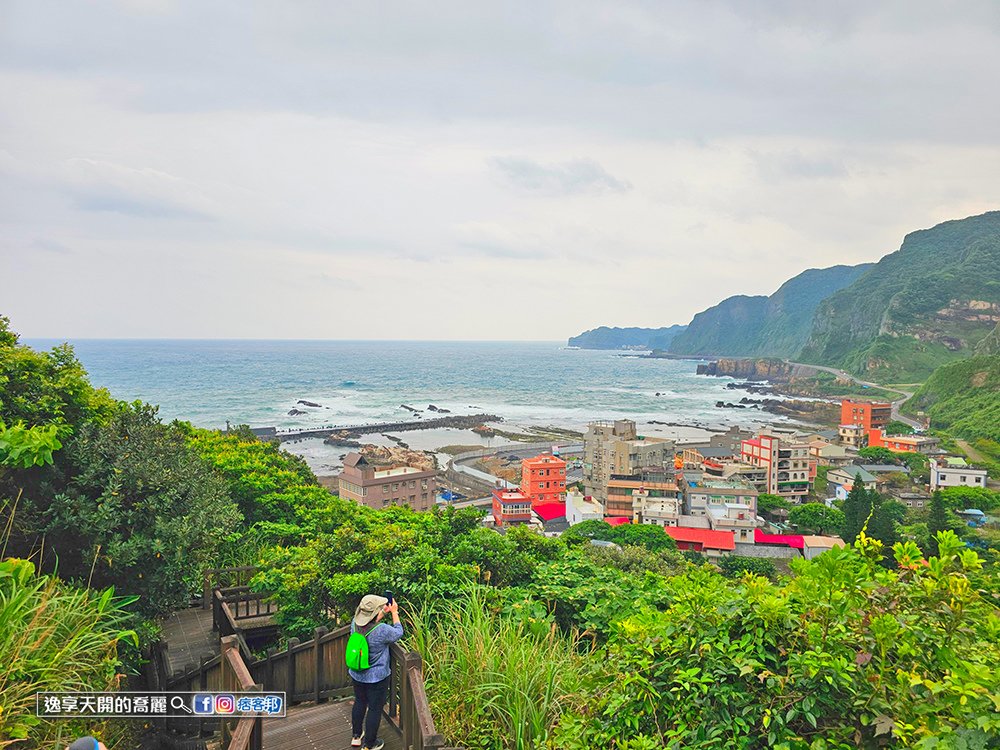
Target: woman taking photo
[{"x": 371, "y": 685}]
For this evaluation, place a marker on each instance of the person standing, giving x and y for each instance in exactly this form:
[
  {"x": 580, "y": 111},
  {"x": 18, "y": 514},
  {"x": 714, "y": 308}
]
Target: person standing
[{"x": 371, "y": 686}]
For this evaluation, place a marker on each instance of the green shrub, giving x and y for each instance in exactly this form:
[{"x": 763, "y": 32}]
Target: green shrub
[
  {"x": 53, "y": 637},
  {"x": 496, "y": 680}
]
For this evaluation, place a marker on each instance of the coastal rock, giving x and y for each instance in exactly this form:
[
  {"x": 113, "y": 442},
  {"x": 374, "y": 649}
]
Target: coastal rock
[
  {"x": 296, "y": 412},
  {"x": 309, "y": 403},
  {"x": 409, "y": 408},
  {"x": 772, "y": 370},
  {"x": 382, "y": 455}
]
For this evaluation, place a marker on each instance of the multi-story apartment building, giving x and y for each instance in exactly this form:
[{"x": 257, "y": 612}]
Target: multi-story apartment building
[
  {"x": 866, "y": 414},
  {"x": 596, "y": 463},
  {"x": 543, "y": 479},
  {"x": 511, "y": 507},
  {"x": 614, "y": 448},
  {"x": 953, "y": 471},
  {"x": 704, "y": 493},
  {"x": 790, "y": 467},
  {"x": 382, "y": 486},
  {"x": 622, "y": 489}
]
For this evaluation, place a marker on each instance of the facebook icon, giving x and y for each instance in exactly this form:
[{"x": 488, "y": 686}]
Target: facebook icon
[{"x": 203, "y": 703}]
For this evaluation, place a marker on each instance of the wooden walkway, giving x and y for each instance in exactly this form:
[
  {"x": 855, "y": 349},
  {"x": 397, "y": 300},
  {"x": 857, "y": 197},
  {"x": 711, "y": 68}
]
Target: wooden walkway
[
  {"x": 189, "y": 637},
  {"x": 321, "y": 726}
]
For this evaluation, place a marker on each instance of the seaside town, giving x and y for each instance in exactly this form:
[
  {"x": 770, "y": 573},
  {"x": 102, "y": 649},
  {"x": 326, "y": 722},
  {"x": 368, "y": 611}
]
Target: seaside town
[{"x": 704, "y": 494}]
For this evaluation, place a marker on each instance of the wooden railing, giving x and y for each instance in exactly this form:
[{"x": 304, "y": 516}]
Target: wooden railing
[
  {"x": 311, "y": 671},
  {"x": 224, "y": 578}
]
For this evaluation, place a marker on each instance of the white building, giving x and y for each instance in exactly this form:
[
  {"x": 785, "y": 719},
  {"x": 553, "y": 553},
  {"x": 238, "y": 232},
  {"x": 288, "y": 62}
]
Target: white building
[
  {"x": 735, "y": 517},
  {"x": 580, "y": 508},
  {"x": 661, "y": 511},
  {"x": 952, "y": 471}
]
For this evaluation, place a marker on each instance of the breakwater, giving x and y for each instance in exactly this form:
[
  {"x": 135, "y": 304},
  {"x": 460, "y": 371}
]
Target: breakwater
[{"x": 351, "y": 432}]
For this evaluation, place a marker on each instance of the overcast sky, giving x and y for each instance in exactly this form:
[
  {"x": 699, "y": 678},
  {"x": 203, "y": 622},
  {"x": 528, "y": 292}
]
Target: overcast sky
[{"x": 470, "y": 170}]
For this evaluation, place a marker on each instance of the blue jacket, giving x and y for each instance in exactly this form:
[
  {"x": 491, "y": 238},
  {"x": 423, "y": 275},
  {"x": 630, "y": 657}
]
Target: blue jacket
[{"x": 379, "y": 639}]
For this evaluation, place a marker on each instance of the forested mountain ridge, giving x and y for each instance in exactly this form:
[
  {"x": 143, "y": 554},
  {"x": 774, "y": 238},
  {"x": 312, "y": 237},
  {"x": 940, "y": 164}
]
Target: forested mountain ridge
[
  {"x": 929, "y": 303},
  {"x": 618, "y": 338},
  {"x": 778, "y": 325}
]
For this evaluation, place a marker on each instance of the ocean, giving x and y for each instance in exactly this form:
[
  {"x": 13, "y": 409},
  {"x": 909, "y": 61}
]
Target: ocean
[{"x": 210, "y": 383}]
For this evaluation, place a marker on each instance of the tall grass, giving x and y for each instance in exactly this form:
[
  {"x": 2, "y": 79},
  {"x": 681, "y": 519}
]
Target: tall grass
[
  {"x": 53, "y": 637},
  {"x": 494, "y": 681}
]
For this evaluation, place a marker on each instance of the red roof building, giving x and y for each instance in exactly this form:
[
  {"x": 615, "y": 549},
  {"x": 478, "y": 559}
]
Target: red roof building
[
  {"x": 784, "y": 540},
  {"x": 550, "y": 511},
  {"x": 706, "y": 541},
  {"x": 616, "y": 520},
  {"x": 510, "y": 507}
]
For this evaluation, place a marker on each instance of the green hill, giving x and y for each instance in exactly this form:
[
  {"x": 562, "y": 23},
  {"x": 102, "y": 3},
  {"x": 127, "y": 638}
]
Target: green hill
[
  {"x": 990, "y": 344},
  {"x": 618, "y": 338},
  {"x": 929, "y": 303},
  {"x": 776, "y": 326},
  {"x": 963, "y": 397}
]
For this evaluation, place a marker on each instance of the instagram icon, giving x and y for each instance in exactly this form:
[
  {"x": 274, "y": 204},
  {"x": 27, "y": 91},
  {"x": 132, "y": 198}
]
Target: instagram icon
[{"x": 225, "y": 704}]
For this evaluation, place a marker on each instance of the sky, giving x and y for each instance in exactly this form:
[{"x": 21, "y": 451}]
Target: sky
[{"x": 470, "y": 170}]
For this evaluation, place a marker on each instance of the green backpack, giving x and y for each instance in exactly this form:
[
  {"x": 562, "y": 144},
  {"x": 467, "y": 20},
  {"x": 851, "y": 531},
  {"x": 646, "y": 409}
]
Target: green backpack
[{"x": 357, "y": 651}]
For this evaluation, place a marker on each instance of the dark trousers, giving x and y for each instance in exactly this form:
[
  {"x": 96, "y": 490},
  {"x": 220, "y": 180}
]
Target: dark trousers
[{"x": 369, "y": 698}]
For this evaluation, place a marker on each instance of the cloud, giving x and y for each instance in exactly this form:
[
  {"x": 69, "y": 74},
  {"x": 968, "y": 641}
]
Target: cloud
[
  {"x": 563, "y": 178},
  {"x": 796, "y": 165}
]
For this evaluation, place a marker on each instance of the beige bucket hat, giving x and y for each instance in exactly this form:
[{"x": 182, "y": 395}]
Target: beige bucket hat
[{"x": 369, "y": 608}]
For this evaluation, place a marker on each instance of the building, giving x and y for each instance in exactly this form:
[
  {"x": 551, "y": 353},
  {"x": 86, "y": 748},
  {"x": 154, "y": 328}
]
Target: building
[
  {"x": 660, "y": 511},
  {"x": 736, "y": 518},
  {"x": 813, "y": 545},
  {"x": 551, "y": 517},
  {"x": 511, "y": 507},
  {"x": 790, "y": 467},
  {"x": 842, "y": 480},
  {"x": 829, "y": 454},
  {"x": 703, "y": 493},
  {"x": 903, "y": 443},
  {"x": 868, "y": 415},
  {"x": 543, "y": 479},
  {"x": 380, "y": 487},
  {"x": 615, "y": 448},
  {"x": 911, "y": 499},
  {"x": 622, "y": 490},
  {"x": 853, "y": 435},
  {"x": 580, "y": 508},
  {"x": 953, "y": 471},
  {"x": 596, "y": 461},
  {"x": 708, "y": 542}
]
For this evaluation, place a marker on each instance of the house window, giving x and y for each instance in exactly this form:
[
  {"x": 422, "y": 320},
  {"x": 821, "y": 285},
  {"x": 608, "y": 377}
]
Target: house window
[
  {"x": 962, "y": 478},
  {"x": 385, "y": 488}
]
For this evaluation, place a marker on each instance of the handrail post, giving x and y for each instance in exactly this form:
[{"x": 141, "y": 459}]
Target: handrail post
[
  {"x": 290, "y": 670},
  {"x": 410, "y": 659},
  {"x": 206, "y": 589},
  {"x": 318, "y": 680}
]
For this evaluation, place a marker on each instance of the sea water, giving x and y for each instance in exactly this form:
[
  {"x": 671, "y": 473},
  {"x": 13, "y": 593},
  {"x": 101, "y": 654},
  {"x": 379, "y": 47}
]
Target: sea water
[{"x": 211, "y": 383}]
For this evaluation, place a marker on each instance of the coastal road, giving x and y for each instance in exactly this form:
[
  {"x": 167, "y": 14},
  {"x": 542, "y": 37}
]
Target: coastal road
[{"x": 847, "y": 376}]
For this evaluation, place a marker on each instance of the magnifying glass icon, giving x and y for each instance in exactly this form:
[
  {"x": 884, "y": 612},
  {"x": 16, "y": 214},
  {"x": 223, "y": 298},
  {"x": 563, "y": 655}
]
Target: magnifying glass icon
[{"x": 177, "y": 703}]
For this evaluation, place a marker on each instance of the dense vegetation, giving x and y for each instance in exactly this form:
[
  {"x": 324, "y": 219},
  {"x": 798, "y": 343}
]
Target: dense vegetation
[
  {"x": 618, "y": 338},
  {"x": 775, "y": 326},
  {"x": 963, "y": 398},
  {"x": 889, "y": 323}
]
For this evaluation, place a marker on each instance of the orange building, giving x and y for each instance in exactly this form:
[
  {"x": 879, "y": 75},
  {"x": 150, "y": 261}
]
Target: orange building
[
  {"x": 903, "y": 443},
  {"x": 543, "y": 479},
  {"x": 867, "y": 414}
]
